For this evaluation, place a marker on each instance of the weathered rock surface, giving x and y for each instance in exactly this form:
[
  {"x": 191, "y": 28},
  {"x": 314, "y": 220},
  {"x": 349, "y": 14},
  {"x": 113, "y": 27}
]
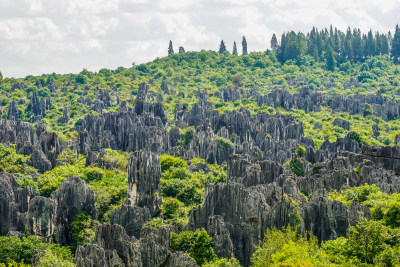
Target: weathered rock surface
[
  {"x": 43, "y": 146},
  {"x": 309, "y": 101},
  {"x": 144, "y": 174},
  {"x": 13, "y": 113},
  {"x": 240, "y": 211},
  {"x": 73, "y": 197},
  {"x": 23, "y": 210},
  {"x": 65, "y": 117},
  {"x": 132, "y": 218},
  {"x": 342, "y": 124},
  {"x": 14, "y": 202},
  {"x": 113, "y": 245},
  {"x": 38, "y": 107}
]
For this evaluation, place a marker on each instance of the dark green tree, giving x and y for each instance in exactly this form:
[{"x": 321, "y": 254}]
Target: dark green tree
[
  {"x": 330, "y": 59},
  {"x": 1, "y": 76},
  {"x": 181, "y": 50},
  {"x": 371, "y": 45},
  {"x": 384, "y": 45},
  {"x": 170, "y": 48},
  {"x": 222, "y": 47},
  {"x": 395, "y": 51},
  {"x": 234, "y": 51},
  {"x": 357, "y": 44},
  {"x": 348, "y": 52},
  {"x": 244, "y": 46},
  {"x": 274, "y": 42}
]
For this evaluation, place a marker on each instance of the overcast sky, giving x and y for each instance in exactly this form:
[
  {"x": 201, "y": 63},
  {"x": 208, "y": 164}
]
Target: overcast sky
[{"x": 65, "y": 36}]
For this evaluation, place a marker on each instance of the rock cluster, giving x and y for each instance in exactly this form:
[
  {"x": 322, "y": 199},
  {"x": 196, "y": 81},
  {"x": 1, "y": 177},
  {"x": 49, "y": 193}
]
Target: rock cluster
[
  {"x": 143, "y": 200},
  {"x": 260, "y": 196},
  {"x": 43, "y": 146},
  {"x": 309, "y": 101},
  {"x": 114, "y": 247},
  {"x": 38, "y": 107},
  {"x": 24, "y": 211}
]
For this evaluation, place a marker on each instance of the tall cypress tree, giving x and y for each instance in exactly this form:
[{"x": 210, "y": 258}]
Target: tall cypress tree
[
  {"x": 384, "y": 45},
  {"x": 371, "y": 46},
  {"x": 274, "y": 42},
  {"x": 357, "y": 44},
  {"x": 170, "y": 48},
  {"x": 234, "y": 51},
  {"x": 244, "y": 46},
  {"x": 330, "y": 59},
  {"x": 222, "y": 47},
  {"x": 395, "y": 51}
]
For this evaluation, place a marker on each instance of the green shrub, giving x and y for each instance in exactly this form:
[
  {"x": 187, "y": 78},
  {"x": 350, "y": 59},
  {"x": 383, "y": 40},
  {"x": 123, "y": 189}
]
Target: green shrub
[
  {"x": 114, "y": 159},
  {"x": 188, "y": 136},
  {"x": 67, "y": 156},
  {"x": 300, "y": 151},
  {"x": 222, "y": 262},
  {"x": 82, "y": 230},
  {"x": 197, "y": 244},
  {"x": 155, "y": 223},
  {"x": 22, "y": 250},
  {"x": 288, "y": 248},
  {"x": 168, "y": 161},
  {"x": 171, "y": 207},
  {"x": 12, "y": 162},
  {"x": 295, "y": 166},
  {"x": 49, "y": 259},
  {"x": 93, "y": 173}
]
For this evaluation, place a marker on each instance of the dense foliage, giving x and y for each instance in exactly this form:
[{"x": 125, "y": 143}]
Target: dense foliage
[
  {"x": 197, "y": 244},
  {"x": 22, "y": 250}
]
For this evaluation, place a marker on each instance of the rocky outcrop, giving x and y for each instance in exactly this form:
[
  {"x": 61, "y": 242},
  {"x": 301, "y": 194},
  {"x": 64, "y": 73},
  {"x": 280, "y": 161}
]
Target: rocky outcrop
[
  {"x": 73, "y": 197},
  {"x": 180, "y": 259},
  {"x": 13, "y": 113},
  {"x": 223, "y": 246},
  {"x": 23, "y": 210},
  {"x": 309, "y": 101},
  {"x": 144, "y": 174},
  {"x": 42, "y": 217},
  {"x": 44, "y": 147},
  {"x": 65, "y": 117},
  {"x": 126, "y": 131},
  {"x": 143, "y": 200},
  {"x": 38, "y": 107},
  {"x": 330, "y": 219},
  {"x": 132, "y": 218},
  {"x": 112, "y": 245},
  {"x": 242, "y": 171},
  {"x": 342, "y": 124},
  {"x": 14, "y": 203},
  {"x": 239, "y": 213}
]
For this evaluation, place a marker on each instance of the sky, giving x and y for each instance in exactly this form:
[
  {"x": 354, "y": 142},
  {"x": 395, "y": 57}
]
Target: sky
[{"x": 66, "y": 36}]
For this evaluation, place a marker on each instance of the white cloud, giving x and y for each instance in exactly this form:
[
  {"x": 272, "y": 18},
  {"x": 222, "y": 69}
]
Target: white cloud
[{"x": 44, "y": 36}]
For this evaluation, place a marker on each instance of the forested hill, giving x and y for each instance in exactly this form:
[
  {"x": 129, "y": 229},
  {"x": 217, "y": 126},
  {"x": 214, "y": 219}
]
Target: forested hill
[{"x": 193, "y": 159}]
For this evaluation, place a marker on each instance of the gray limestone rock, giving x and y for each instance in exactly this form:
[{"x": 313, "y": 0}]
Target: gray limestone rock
[
  {"x": 73, "y": 197},
  {"x": 144, "y": 173},
  {"x": 65, "y": 117},
  {"x": 342, "y": 124},
  {"x": 180, "y": 259},
  {"x": 13, "y": 113},
  {"x": 132, "y": 218}
]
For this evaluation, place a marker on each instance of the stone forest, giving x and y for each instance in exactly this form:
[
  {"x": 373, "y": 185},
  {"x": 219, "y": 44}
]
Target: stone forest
[{"x": 286, "y": 157}]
